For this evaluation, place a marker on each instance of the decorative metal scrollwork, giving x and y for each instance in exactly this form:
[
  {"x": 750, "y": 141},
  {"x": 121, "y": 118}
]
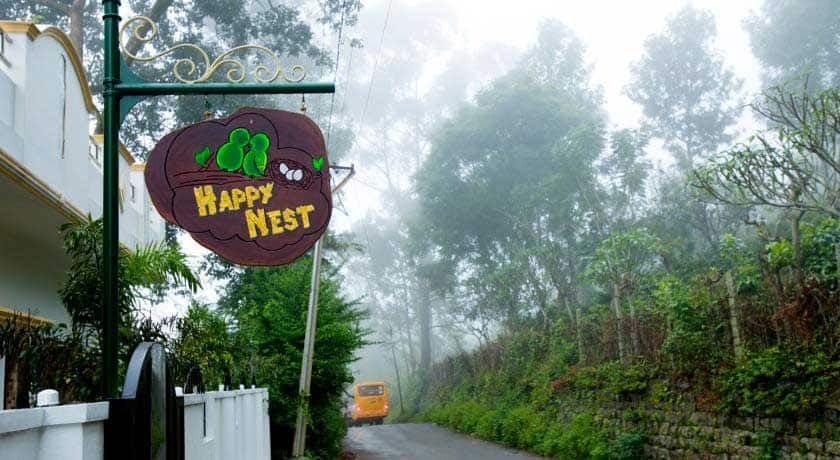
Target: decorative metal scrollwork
[{"x": 186, "y": 69}]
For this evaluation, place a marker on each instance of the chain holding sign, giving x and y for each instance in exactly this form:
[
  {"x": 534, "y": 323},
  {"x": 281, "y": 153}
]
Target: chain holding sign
[{"x": 253, "y": 187}]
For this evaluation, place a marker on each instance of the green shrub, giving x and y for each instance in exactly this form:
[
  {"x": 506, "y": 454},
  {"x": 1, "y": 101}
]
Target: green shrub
[
  {"x": 693, "y": 344},
  {"x": 50, "y": 356},
  {"x": 612, "y": 379},
  {"x": 627, "y": 446},
  {"x": 268, "y": 305},
  {"x": 490, "y": 425},
  {"x": 580, "y": 439},
  {"x": 768, "y": 445},
  {"x": 818, "y": 246},
  {"x": 777, "y": 382},
  {"x": 471, "y": 413},
  {"x": 523, "y": 428}
]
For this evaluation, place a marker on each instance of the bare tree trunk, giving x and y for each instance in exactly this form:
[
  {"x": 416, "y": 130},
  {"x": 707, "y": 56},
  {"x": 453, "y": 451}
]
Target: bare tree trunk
[
  {"x": 579, "y": 333},
  {"x": 634, "y": 328},
  {"x": 408, "y": 351},
  {"x": 156, "y": 12},
  {"x": 424, "y": 314},
  {"x": 797, "y": 252},
  {"x": 734, "y": 321},
  {"x": 399, "y": 383},
  {"x": 616, "y": 301},
  {"x": 77, "y": 26},
  {"x": 17, "y": 391},
  {"x": 573, "y": 317},
  {"x": 409, "y": 343},
  {"x": 837, "y": 262}
]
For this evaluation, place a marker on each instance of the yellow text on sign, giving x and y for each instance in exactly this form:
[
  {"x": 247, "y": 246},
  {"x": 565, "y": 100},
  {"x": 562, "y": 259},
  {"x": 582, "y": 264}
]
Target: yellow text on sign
[
  {"x": 276, "y": 222},
  {"x": 209, "y": 203},
  {"x": 259, "y": 221}
]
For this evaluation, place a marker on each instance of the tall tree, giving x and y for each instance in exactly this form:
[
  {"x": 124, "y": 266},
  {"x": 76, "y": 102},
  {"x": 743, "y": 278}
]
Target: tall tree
[
  {"x": 75, "y": 16},
  {"x": 626, "y": 171},
  {"x": 620, "y": 263},
  {"x": 510, "y": 187},
  {"x": 687, "y": 96},
  {"x": 558, "y": 47},
  {"x": 794, "y": 38},
  {"x": 268, "y": 305},
  {"x": 402, "y": 279},
  {"x": 794, "y": 167},
  {"x": 386, "y": 270}
]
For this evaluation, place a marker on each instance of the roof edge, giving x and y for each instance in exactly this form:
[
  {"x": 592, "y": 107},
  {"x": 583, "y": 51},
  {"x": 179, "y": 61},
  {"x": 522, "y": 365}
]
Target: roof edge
[
  {"x": 23, "y": 27},
  {"x": 7, "y": 314},
  {"x": 33, "y": 33},
  {"x": 22, "y": 176}
]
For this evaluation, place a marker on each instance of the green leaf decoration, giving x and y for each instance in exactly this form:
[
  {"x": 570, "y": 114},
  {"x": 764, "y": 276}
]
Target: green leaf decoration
[
  {"x": 318, "y": 163},
  {"x": 202, "y": 156}
]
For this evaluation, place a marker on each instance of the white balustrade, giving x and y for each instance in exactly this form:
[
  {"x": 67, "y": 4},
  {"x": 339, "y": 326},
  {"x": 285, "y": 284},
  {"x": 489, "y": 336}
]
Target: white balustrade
[
  {"x": 217, "y": 425},
  {"x": 227, "y": 424},
  {"x": 72, "y": 432}
]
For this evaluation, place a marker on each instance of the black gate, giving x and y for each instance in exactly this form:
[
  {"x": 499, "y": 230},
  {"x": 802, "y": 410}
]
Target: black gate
[{"x": 147, "y": 420}]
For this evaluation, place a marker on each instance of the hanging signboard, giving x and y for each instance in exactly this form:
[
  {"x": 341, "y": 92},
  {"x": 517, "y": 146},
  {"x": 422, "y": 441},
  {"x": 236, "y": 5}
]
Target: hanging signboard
[{"x": 253, "y": 187}]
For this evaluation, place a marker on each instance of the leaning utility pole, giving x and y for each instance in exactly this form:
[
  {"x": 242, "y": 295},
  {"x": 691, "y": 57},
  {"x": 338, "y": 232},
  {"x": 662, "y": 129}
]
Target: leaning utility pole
[{"x": 299, "y": 443}]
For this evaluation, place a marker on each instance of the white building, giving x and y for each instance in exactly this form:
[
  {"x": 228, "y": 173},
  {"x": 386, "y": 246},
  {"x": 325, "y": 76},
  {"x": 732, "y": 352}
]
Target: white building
[{"x": 51, "y": 170}]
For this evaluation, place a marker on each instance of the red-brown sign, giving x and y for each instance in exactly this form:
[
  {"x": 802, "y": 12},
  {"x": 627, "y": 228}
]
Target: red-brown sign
[{"x": 253, "y": 187}]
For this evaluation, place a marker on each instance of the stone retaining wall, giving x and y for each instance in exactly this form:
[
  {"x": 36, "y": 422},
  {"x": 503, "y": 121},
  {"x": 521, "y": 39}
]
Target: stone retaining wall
[{"x": 682, "y": 432}]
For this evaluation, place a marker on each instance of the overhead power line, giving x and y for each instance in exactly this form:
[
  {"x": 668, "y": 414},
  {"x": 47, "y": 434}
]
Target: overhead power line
[
  {"x": 335, "y": 70},
  {"x": 376, "y": 63}
]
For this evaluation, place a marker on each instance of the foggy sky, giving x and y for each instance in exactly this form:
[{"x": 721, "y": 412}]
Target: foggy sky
[
  {"x": 613, "y": 32},
  {"x": 446, "y": 50}
]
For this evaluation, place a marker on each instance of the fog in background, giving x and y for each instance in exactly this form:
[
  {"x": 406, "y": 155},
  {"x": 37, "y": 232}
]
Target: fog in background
[
  {"x": 434, "y": 57},
  {"x": 407, "y": 66}
]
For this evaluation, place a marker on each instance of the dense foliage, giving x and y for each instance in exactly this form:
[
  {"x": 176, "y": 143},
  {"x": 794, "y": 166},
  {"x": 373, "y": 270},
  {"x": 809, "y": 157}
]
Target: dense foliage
[
  {"x": 584, "y": 275},
  {"x": 256, "y": 336},
  {"x": 526, "y": 227},
  {"x": 67, "y": 357},
  {"x": 267, "y": 311},
  {"x": 143, "y": 272},
  {"x": 506, "y": 392}
]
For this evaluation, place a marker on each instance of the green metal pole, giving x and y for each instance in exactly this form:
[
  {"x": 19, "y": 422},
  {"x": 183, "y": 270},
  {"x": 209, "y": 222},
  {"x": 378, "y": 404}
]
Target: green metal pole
[
  {"x": 110, "y": 193},
  {"x": 158, "y": 89}
]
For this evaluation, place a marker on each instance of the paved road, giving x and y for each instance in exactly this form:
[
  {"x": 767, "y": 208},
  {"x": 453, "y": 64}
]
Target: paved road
[{"x": 422, "y": 441}]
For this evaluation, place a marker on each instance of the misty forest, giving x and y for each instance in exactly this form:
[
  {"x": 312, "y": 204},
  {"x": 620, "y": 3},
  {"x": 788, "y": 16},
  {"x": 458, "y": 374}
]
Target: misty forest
[{"x": 518, "y": 258}]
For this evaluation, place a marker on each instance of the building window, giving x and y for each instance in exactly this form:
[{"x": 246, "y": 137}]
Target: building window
[{"x": 132, "y": 191}]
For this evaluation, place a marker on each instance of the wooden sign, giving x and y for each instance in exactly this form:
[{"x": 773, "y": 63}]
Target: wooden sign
[{"x": 253, "y": 187}]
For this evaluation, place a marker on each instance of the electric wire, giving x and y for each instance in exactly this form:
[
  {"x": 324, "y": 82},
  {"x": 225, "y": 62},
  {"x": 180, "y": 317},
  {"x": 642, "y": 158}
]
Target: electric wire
[
  {"x": 335, "y": 70},
  {"x": 343, "y": 103},
  {"x": 376, "y": 63}
]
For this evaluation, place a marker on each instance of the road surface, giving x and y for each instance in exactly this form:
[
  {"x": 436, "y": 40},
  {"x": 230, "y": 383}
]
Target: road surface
[{"x": 424, "y": 441}]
